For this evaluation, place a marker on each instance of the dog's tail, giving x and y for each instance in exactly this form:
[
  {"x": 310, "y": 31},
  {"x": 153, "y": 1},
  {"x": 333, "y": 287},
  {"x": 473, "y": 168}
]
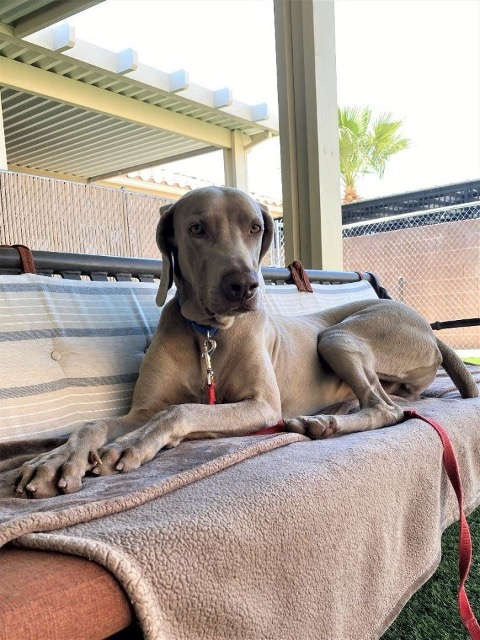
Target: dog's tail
[{"x": 457, "y": 371}]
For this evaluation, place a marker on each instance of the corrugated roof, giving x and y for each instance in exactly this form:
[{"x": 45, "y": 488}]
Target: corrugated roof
[
  {"x": 73, "y": 109},
  {"x": 49, "y": 136}
]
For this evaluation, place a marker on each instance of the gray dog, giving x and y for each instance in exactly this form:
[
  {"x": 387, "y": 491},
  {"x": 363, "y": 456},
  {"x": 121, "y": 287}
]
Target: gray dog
[{"x": 266, "y": 367}]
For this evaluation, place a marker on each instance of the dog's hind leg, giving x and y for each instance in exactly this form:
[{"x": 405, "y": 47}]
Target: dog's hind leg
[{"x": 353, "y": 361}]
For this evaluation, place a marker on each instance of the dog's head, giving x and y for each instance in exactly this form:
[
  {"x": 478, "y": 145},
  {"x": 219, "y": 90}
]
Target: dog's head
[{"x": 212, "y": 241}]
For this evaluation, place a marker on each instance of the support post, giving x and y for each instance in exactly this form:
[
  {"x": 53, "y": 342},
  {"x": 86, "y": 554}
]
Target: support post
[
  {"x": 307, "y": 95},
  {"x": 3, "y": 146},
  {"x": 235, "y": 162}
]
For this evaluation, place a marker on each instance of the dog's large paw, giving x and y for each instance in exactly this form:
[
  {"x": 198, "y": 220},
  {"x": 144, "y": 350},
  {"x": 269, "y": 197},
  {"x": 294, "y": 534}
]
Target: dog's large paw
[
  {"x": 53, "y": 473},
  {"x": 315, "y": 427}
]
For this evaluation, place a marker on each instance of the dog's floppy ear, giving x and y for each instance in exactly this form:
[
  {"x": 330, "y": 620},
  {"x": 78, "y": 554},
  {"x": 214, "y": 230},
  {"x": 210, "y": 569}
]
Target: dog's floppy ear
[
  {"x": 268, "y": 230},
  {"x": 165, "y": 244}
]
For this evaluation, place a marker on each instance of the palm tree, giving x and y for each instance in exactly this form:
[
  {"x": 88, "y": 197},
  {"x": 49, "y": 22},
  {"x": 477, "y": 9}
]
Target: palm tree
[{"x": 366, "y": 145}]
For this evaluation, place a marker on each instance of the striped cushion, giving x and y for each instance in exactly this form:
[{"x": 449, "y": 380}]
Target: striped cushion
[
  {"x": 285, "y": 299},
  {"x": 70, "y": 350}
]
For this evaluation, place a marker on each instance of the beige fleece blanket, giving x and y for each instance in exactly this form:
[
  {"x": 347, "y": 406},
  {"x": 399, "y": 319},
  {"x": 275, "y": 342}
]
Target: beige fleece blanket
[{"x": 268, "y": 537}]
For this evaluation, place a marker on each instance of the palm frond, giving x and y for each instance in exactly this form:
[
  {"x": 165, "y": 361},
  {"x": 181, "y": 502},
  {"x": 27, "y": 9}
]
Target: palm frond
[{"x": 366, "y": 145}]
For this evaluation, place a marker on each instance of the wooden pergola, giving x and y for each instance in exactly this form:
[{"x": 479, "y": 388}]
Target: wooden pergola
[{"x": 75, "y": 111}]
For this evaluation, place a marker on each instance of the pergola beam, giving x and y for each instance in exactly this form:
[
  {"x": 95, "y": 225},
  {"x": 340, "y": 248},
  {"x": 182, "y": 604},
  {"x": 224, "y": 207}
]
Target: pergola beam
[
  {"x": 305, "y": 43},
  {"x": 87, "y": 55},
  {"x": 62, "y": 89}
]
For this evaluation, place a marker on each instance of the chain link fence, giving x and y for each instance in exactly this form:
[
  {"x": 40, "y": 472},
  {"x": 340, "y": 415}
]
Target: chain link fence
[{"x": 428, "y": 260}]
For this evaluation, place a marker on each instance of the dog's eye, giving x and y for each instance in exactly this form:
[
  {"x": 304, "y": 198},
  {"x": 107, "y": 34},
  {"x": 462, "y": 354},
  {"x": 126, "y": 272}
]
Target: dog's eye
[
  {"x": 196, "y": 229},
  {"x": 255, "y": 228}
]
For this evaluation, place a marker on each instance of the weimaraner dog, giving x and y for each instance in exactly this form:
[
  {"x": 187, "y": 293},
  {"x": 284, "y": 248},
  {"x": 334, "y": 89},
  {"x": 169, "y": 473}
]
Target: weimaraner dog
[{"x": 266, "y": 367}]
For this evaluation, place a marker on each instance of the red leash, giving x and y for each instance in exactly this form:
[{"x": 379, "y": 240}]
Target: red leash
[
  {"x": 465, "y": 543},
  {"x": 278, "y": 428},
  {"x": 211, "y": 392}
]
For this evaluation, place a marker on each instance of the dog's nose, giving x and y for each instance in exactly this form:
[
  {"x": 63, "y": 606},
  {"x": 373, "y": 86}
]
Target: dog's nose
[{"x": 239, "y": 285}]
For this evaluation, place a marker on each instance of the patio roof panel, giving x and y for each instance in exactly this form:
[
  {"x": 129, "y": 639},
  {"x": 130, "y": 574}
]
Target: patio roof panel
[
  {"x": 56, "y": 104},
  {"x": 55, "y": 137}
]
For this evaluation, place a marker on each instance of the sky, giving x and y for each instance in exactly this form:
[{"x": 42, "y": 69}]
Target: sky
[{"x": 416, "y": 59}]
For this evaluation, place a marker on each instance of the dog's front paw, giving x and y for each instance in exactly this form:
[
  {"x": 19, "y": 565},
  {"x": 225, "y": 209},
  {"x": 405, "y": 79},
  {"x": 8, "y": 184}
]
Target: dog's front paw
[
  {"x": 315, "y": 427},
  {"x": 53, "y": 473}
]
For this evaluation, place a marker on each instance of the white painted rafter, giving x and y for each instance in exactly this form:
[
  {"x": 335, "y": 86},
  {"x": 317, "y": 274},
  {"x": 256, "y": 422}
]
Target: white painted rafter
[
  {"x": 105, "y": 61},
  {"x": 62, "y": 89}
]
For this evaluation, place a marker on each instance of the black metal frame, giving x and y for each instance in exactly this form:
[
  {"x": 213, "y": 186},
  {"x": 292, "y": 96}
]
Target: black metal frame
[{"x": 73, "y": 266}]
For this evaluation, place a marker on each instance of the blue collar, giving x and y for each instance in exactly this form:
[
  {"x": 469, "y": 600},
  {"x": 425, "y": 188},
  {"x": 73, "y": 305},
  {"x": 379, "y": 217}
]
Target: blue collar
[{"x": 204, "y": 329}]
